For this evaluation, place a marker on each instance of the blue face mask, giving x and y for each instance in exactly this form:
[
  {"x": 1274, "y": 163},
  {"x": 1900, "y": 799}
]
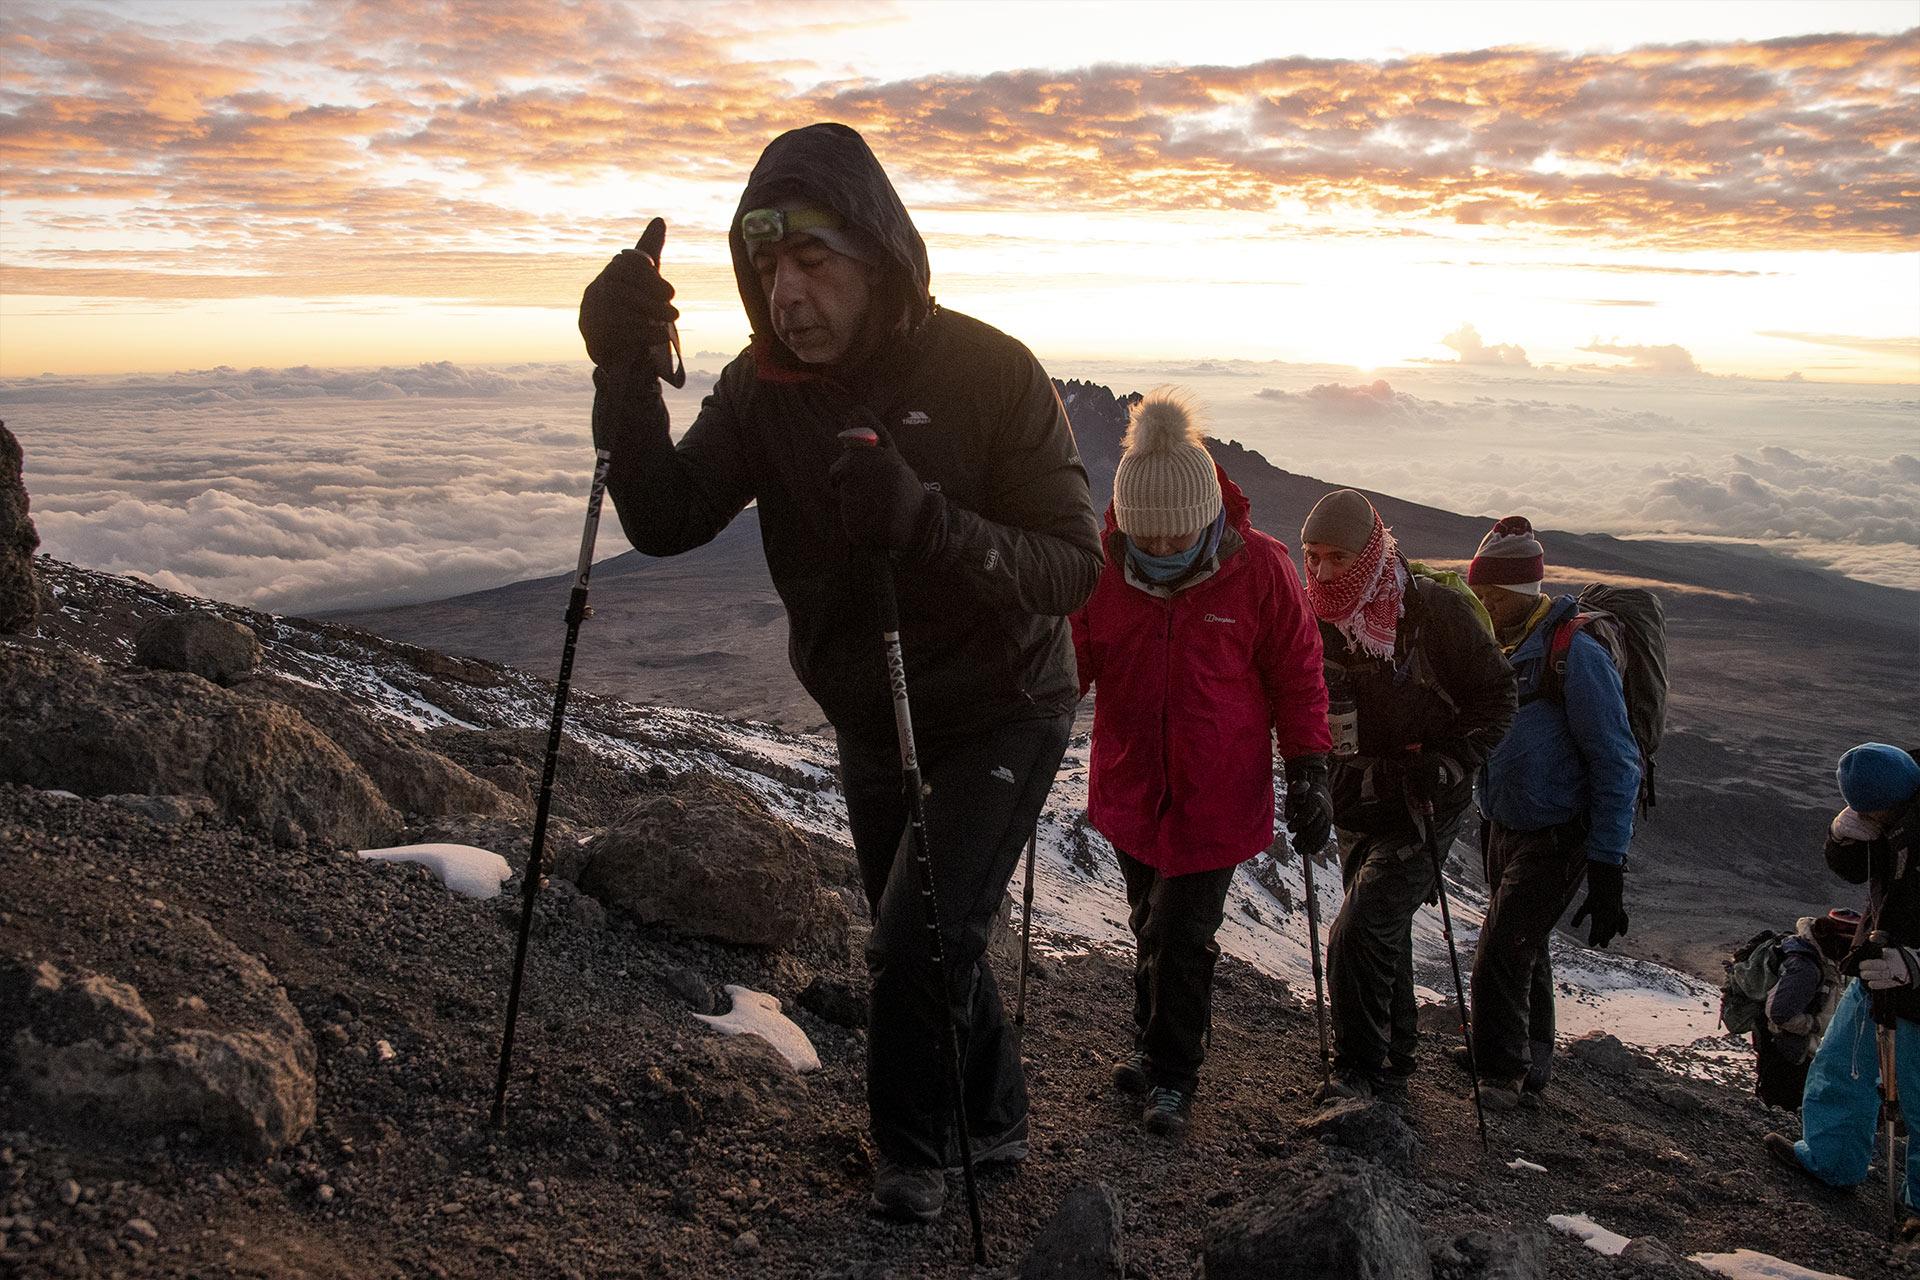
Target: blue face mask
[{"x": 1164, "y": 569}]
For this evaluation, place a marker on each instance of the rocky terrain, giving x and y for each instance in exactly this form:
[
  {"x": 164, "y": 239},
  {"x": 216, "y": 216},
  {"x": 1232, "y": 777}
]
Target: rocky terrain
[
  {"x": 1777, "y": 667},
  {"x": 229, "y": 1046}
]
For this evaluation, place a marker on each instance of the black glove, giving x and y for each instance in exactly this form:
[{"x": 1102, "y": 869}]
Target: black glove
[
  {"x": 1309, "y": 804},
  {"x": 1605, "y": 881},
  {"x": 882, "y": 502},
  {"x": 1431, "y": 775},
  {"x": 628, "y": 306}
]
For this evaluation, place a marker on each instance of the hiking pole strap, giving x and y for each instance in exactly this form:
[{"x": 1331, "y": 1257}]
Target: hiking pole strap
[{"x": 577, "y": 612}]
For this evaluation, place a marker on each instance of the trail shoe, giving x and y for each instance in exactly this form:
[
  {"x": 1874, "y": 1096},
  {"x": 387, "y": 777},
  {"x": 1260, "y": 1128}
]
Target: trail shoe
[
  {"x": 907, "y": 1195},
  {"x": 1009, "y": 1148},
  {"x": 1346, "y": 1083},
  {"x": 1781, "y": 1149},
  {"x": 1540, "y": 1070},
  {"x": 1392, "y": 1089},
  {"x": 1501, "y": 1095},
  {"x": 1167, "y": 1112},
  {"x": 1130, "y": 1075}
]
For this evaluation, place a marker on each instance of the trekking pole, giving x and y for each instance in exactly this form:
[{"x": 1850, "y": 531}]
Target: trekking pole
[
  {"x": 1319, "y": 975},
  {"x": 1423, "y": 818},
  {"x": 1026, "y": 930},
  {"x": 889, "y": 605},
  {"x": 1890, "y": 1116},
  {"x": 577, "y": 612}
]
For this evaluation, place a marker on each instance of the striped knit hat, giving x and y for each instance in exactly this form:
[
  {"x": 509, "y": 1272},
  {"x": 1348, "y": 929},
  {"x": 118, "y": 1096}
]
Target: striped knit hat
[
  {"x": 1166, "y": 485},
  {"x": 1510, "y": 556}
]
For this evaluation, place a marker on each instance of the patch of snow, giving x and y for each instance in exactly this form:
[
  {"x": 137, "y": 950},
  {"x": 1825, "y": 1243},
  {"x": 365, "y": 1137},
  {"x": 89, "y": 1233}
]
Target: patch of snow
[
  {"x": 60, "y": 794},
  {"x": 1521, "y": 1163},
  {"x": 755, "y": 1013},
  {"x": 1590, "y": 1233},
  {"x": 469, "y": 872},
  {"x": 1745, "y": 1264}
]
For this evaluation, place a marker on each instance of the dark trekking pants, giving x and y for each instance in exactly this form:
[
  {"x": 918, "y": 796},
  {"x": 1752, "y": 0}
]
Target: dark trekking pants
[
  {"x": 1780, "y": 1080},
  {"x": 1174, "y": 919},
  {"x": 984, "y": 795},
  {"x": 1376, "y": 1025},
  {"x": 1531, "y": 878}
]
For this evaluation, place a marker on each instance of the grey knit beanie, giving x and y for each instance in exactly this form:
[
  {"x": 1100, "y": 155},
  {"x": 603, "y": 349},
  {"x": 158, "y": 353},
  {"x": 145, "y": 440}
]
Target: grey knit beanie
[
  {"x": 1166, "y": 485},
  {"x": 1342, "y": 519}
]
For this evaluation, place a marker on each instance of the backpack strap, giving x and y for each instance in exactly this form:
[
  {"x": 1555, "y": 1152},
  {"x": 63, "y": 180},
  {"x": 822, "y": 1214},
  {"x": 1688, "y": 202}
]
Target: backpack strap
[{"x": 1553, "y": 675}]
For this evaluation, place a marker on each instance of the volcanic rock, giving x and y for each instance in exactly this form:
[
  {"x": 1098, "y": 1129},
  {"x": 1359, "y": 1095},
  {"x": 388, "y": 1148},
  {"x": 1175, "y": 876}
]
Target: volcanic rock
[
  {"x": 1366, "y": 1127},
  {"x": 199, "y": 643},
  {"x": 1082, "y": 1240},
  {"x": 1317, "y": 1223},
  {"x": 19, "y": 594}
]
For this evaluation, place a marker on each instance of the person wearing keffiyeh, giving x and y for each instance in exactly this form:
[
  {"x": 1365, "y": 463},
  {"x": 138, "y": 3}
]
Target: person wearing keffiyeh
[{"x": 1433, "y": 695}]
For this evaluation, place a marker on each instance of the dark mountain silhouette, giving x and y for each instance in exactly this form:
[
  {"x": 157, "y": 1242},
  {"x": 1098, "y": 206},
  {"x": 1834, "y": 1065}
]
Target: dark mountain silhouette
[{"x": 1777, "y": 667}]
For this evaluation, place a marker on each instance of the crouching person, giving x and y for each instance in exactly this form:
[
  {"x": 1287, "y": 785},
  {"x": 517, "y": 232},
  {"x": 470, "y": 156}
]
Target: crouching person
[
  {"x": 1874, "y": 841},
  {"x": 1432, "y": 696},
  {"x": 1204, "y": 657}
]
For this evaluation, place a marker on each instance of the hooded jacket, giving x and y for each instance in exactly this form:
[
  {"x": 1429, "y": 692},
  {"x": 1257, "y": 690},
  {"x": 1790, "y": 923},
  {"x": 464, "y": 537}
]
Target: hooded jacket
[
  {"x": 1195, "y": 690},
  {"x": 1447, "y": 689},
  {"x": 1571, "y": 759},
  {"x": 1010, "y": 542},
  {"x": 1890, "y": 868}
]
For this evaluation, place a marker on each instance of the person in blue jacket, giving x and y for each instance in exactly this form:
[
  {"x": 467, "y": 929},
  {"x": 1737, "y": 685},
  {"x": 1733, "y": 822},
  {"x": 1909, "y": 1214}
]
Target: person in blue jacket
[
  {"x": 1558, "y": 796},
  {"x": 1874, "y": 841}
]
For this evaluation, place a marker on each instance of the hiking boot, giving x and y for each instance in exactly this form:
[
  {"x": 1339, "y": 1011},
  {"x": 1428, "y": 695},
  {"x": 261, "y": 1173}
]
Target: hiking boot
[
  {"x": 1009, "y": 1148},
  {"x": 1782, "y": 1150},
  {"x": 907, "y": 1195},
  {"x": 1346, "y": 1083},
  {"x": 1391, "y": 1089},
  {"x": 1540, "y": 1069},
  {"x": 1501, "y": 1095},
  {"x": 1130, "y": 1075},
  {"x": 1166, "y": 1111}
]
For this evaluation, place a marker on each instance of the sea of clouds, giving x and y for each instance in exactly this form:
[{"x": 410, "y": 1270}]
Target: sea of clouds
[{"x": 304, "y": 490}]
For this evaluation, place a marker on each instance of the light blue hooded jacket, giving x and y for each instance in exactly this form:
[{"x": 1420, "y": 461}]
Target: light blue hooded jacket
[{"x": 1568, "y": 759}]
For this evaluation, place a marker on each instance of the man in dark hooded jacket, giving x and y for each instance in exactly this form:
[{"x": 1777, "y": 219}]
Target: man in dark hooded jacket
[{"x": 976, "y": 494}]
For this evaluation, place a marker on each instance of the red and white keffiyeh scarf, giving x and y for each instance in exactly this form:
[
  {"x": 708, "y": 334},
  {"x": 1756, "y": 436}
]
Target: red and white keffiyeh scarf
[{"x": 1363, "y": 604}]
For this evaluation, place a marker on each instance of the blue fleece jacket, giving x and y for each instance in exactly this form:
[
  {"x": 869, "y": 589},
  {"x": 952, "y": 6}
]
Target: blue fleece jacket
[{"x": 1567, "y": 759}]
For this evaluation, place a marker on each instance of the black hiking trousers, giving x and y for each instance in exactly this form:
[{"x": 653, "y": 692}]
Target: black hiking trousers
[
  {"x": 1174, "y": 919},
  {"x": 984, "y": 794},
  {"x": 1376, "y": 1023},
  {"x": 1532, "y": 877}
]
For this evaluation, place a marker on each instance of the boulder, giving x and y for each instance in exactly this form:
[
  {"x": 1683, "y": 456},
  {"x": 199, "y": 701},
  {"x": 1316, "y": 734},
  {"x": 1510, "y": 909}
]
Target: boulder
[
  {"x": 831, "y": 1000},
  {"x": 413, "y": 777},
  {"x": 165, "y": 811},
  {"x": 1490, "y": 1255},
  {"x": 1366, "y": 1127},
  {"x": 19, "y": 593},
  {"x": 235, "y": 1063},
  {"x": 703, "y": 856},
  {"x": 1082, "y": 1240},
  {"x": 1605, "y": 1053},
  {"x": 69, "y": 722},
  {"x": 1316, "y": 1223},
  {"x": 199, "y": 643}
]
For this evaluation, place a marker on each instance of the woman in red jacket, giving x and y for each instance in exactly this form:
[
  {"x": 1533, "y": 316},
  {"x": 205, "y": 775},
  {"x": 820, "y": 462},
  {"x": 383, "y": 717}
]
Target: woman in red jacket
[{"x": 1203, "y": 652}]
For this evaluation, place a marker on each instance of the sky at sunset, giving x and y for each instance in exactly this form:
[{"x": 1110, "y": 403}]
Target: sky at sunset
[
  {"x": 288, "y": 289},
  {"x": 1724, "y": 188}
]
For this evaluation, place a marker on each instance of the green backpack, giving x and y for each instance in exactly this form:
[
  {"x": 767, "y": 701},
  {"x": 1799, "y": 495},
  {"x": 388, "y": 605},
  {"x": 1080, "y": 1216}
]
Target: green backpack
[
  {"x": 1752, "y": 971},
  {"x": 1453, "y": 582}
]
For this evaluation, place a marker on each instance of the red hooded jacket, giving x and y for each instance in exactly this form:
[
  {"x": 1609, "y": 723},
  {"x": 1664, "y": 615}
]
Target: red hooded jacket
[{"x": 1193, "y": 690}]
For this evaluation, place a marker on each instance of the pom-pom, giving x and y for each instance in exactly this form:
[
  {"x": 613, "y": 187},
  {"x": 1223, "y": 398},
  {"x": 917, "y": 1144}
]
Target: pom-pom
[{"x": 1166, "y": 418}]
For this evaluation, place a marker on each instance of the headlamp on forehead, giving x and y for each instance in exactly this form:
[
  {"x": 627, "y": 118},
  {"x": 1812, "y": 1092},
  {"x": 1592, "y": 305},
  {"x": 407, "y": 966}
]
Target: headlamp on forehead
[{"x": 762, "y": 227}]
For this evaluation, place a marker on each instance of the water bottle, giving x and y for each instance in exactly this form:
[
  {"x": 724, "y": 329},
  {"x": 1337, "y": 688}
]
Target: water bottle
[{"x": 1343, "y": 717}]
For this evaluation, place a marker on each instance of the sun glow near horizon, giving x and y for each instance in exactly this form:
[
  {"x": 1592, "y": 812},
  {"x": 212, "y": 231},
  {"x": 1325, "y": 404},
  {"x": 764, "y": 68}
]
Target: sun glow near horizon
[{"x": 359, "y": 184}]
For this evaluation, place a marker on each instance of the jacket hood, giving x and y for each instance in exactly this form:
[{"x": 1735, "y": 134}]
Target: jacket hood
[
  {"x": 1232, "y": 501},
  {"x": 831, "y": 165}
]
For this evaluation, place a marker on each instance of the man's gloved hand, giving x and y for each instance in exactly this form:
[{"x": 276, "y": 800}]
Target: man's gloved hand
[
  {"x": 624, "y": 310},
  {"x": 1799, "y": 1024},
  {"x": 1309, "y": 804},
  {"x": 882, "y": 501},
  {"x": 1430, "y": 775},
  {"x": 1605, "y": 882},
  {"x": 1893, "y": 967}
]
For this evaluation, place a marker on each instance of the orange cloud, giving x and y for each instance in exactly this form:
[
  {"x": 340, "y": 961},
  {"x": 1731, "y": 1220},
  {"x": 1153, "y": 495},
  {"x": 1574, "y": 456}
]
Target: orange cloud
[{"x": 381, "y": 137}]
